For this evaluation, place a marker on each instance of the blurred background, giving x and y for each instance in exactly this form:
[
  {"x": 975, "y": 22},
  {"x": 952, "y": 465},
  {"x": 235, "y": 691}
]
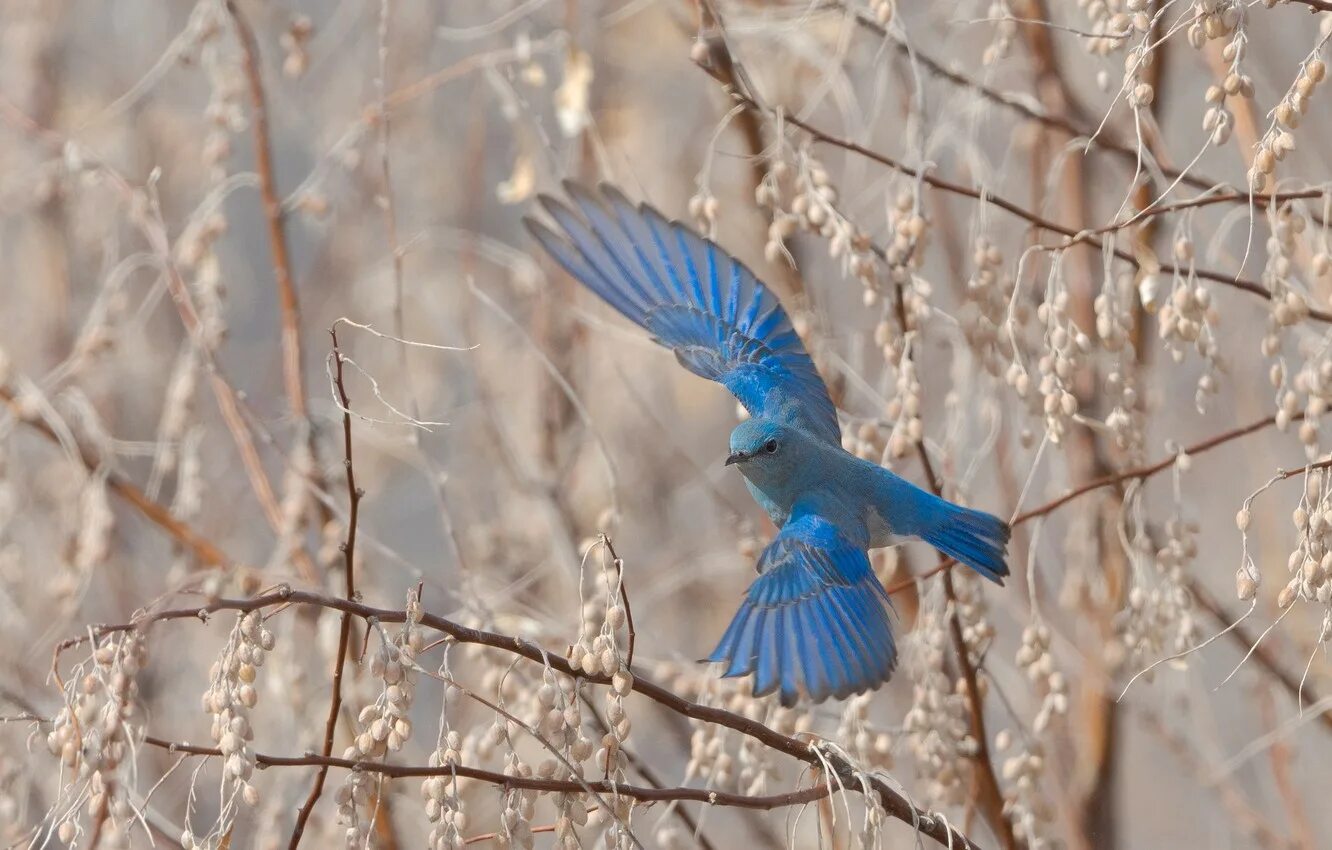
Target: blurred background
[{"x": 1034, "y": 242}]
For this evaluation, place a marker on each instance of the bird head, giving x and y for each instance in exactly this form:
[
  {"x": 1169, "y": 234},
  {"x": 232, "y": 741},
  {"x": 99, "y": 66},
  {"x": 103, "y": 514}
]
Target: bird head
[{"x": 764, "y": 451}]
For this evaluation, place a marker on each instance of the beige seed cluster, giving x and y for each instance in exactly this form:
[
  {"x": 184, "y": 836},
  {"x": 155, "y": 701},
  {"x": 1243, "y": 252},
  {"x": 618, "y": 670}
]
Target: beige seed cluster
[
  {"x": 989, "y": 292},
  {"x": 1159, "y": 618},
  {"x": 1279, "y": 139},
  {"x": 1213, "y": 19},
  {"x": 1065, "y": 351},
  {"x": 443, "y": 800},
  {"x": 1036, "y": 661},
  {"x": 231, "y": 695},
  {"x": 867, "y": 747},
  {"x": 1310, "y": 564},
  {"x": 384, "y": 725},
  {"x": 94, "y": 735},
  {"x": 1026, "y": 807},
  {"x": 938, "y": 725}
]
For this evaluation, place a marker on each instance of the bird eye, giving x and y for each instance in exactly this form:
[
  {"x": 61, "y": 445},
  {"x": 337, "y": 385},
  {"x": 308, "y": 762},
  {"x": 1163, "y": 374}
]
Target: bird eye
[{"x": 770, "y": 447}]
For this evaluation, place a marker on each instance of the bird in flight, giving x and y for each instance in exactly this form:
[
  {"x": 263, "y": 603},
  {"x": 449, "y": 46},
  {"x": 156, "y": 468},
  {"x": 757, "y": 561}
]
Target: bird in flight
[{"x": 815, "y": 622}]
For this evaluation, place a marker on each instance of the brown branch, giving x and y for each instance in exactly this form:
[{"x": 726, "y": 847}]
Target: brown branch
[
  {"x": 1315, "y": 6},
  {"x": 554, "y": 786},
  {"x": 1073, "y": 237},
  {"x": 277, "y": 235},
  {"x": 181, "y": 532},
  {"x": 1102, "y": 140},
  {"x": 143, "y": 212},
  {"x": 1281, "y": 758},
  {"x": 1249, "y": 822},
  {"x": 1151, "y": 469},
  {"x": 1139, "y": 473},
  {"x": 991, "y": 795},
  {"x": 354, "y": 495},
  {"x": 624, "y": 594},
  {"x": 894, "y": 803}
]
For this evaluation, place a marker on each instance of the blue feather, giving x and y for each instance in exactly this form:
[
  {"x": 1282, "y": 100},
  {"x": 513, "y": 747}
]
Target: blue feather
[
  {"x": 654, "y": 271},
  {"x": 827, "y": 630}
]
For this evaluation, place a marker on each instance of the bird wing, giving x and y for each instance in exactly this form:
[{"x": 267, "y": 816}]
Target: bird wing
[
  {"x": 722, "y": 323},
  {"x": 815, "y": 620}
]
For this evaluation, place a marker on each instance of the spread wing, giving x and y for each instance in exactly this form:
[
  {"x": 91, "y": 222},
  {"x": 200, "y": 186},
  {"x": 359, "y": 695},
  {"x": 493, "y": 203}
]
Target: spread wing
[
  {"x": 722, "y": 322},
  {"x": 815, "y": 621}
]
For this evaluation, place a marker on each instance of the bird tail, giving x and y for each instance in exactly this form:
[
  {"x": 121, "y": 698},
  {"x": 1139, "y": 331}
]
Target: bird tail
[
  {"x": 812, "y": 626},
  {"x": 971, "y": 537}
]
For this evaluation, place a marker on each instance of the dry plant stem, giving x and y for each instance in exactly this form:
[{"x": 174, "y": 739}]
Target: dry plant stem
[
  {"x": 1315, "y": 6},
  {"x": 641, "y": 793},
  {"x": 1073, "y": 237},
  {"x": 181, "y": 532},
  {"x": 292, "y": 350},
  {"x": 1258, "y": 652},
  {"x": 277, "y": 235},
  {"x": 154, "y": 232},
  {"x": 894, "y": 803},
  {"x": 1236, "y": 803},
  {"x": 1102, "y": 141},
  {"x": 1094, "y": 786},
  {"x": 650, "y": 776},
  {"x": 628, "y": 609},
  {"x": 1138, "y": 473},
  {"x": 354, "y": 495}
]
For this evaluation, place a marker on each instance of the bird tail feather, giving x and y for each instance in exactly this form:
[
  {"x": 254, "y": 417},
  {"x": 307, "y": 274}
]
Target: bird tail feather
[{"x": 972, "y": 537}]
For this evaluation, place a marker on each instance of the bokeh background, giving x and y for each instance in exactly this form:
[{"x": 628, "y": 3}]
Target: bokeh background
[{"x": 949, "y": 198}]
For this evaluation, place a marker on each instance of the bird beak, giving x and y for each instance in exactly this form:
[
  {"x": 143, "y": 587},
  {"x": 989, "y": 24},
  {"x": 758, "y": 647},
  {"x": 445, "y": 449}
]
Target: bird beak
[{"x": 736, "y": 457}]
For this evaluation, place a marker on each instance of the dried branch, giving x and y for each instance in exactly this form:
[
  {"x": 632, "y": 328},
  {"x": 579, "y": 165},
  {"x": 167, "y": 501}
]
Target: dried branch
[
  {"x": 646, "y": 794},
  {"x": 292, "y": 372},
  {"x": 991, "y": 795},
  {"x": 1103, "y": 140},
  {"x": 354, "y": 495},
  {"x": 184, "y": 534},
  {"x": 143, "y": 212},
  {"x": 894, "y": 803},
  {"x": 1074, "y": 237}
]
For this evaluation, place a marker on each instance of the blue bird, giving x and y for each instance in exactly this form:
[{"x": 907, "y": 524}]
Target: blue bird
[{"x": 816, "y": 620}]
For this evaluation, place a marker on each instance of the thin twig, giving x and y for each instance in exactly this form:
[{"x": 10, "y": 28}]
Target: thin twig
[
  {"x": 203, "y": 549},
  {"x": 532, "y": 783},
  {"x": 624, "y": 595},
  {"x": 354, "y": 495},
  {"x": 1260, "y": 653}
]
